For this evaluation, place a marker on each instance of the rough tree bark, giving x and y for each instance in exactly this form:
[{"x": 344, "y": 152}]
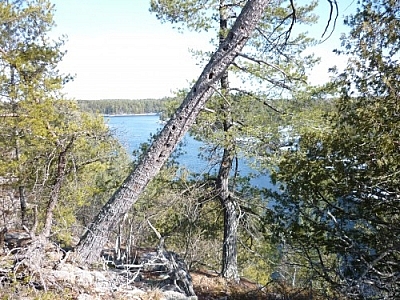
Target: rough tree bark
[
  {"x": 229, "y": 207},
  {"x": 229, "y": 247},
  {"x": 56, "y": 189},
  {"x": 89, "y": 248}
]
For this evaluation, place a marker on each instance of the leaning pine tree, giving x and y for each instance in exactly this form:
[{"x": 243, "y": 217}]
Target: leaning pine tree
[{"x": 89, "y": 248}]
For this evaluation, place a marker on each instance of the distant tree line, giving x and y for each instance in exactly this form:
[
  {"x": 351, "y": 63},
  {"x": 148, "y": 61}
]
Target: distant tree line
[{"x": 122, "y": 106}]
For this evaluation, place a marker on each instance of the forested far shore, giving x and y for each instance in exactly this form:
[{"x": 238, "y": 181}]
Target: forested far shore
[{"x": 123, "y": 106}]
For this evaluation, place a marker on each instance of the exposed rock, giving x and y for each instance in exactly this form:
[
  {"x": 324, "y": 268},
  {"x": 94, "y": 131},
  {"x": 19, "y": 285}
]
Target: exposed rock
[
  {"x": 45, "y": 266},
  {"x": 16, "y": 239},
  {"x": 85, "y": 297},
  {"x": 171, "y": 295},
  {"x": 167, "y": 270}
]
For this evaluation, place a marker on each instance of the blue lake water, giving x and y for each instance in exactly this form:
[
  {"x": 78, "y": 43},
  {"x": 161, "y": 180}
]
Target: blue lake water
[{"x": 131, "y": 131}]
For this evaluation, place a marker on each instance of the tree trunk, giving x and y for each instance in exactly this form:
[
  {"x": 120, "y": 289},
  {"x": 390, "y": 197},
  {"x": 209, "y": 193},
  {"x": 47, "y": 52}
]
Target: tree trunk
[
  {"x": 23, "y": 206},
  {"x": 21, "y": 188},
  {"x": 229, "y": 248},
  {"x": 55, "y": 192},
  {"x": 89, "y": 248},
  {"x": 229, "y": 205}
]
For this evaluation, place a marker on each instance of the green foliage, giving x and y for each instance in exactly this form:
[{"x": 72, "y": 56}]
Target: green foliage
[
  {"x": 181, "y": 210},
  {"x": 122, "y": 106},
  {"x": 339, "y": 203},
  {"x": 251, "y": 110},
  {"x": 55, "y": 157},
  {"x": 193, "y": 14}
]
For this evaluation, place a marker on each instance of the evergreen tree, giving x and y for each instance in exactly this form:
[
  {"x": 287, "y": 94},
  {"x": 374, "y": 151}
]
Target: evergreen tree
[
  {"x": 25, "y": 58},
  {"x": 45, "y": 142},
  {"x": 340, "y": 203},
  {"x": 239, "y": 116}
]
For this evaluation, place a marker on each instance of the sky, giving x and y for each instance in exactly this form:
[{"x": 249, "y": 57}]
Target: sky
[{"x": 119, "y": 50}]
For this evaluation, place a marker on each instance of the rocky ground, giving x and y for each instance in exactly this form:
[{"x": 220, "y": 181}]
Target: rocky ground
[{"x": 34, "y": 269}]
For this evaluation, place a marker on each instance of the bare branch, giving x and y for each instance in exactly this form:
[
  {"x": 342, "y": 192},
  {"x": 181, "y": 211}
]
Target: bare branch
[
  {"x": 209, "y": 110},
  {"x": 259, "y": 99},
  {"x": 270, "y": 80},
  {"x": 273, "y": 42},
  {"x": 332, "y": 3},
  {"x": 219, "y": 93},
  {"x": 260, "y": 61},
  {"x": 154, "y": 229},
  {"x": 289, "y": 31},
  {"x": 293, "y": 15}
]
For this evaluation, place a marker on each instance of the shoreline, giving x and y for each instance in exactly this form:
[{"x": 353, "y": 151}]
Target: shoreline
[{"x": 131, "y": 115}]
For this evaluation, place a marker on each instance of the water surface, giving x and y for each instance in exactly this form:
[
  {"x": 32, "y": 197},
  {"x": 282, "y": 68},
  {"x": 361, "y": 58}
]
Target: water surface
[{"x": 132, "y": 130}]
